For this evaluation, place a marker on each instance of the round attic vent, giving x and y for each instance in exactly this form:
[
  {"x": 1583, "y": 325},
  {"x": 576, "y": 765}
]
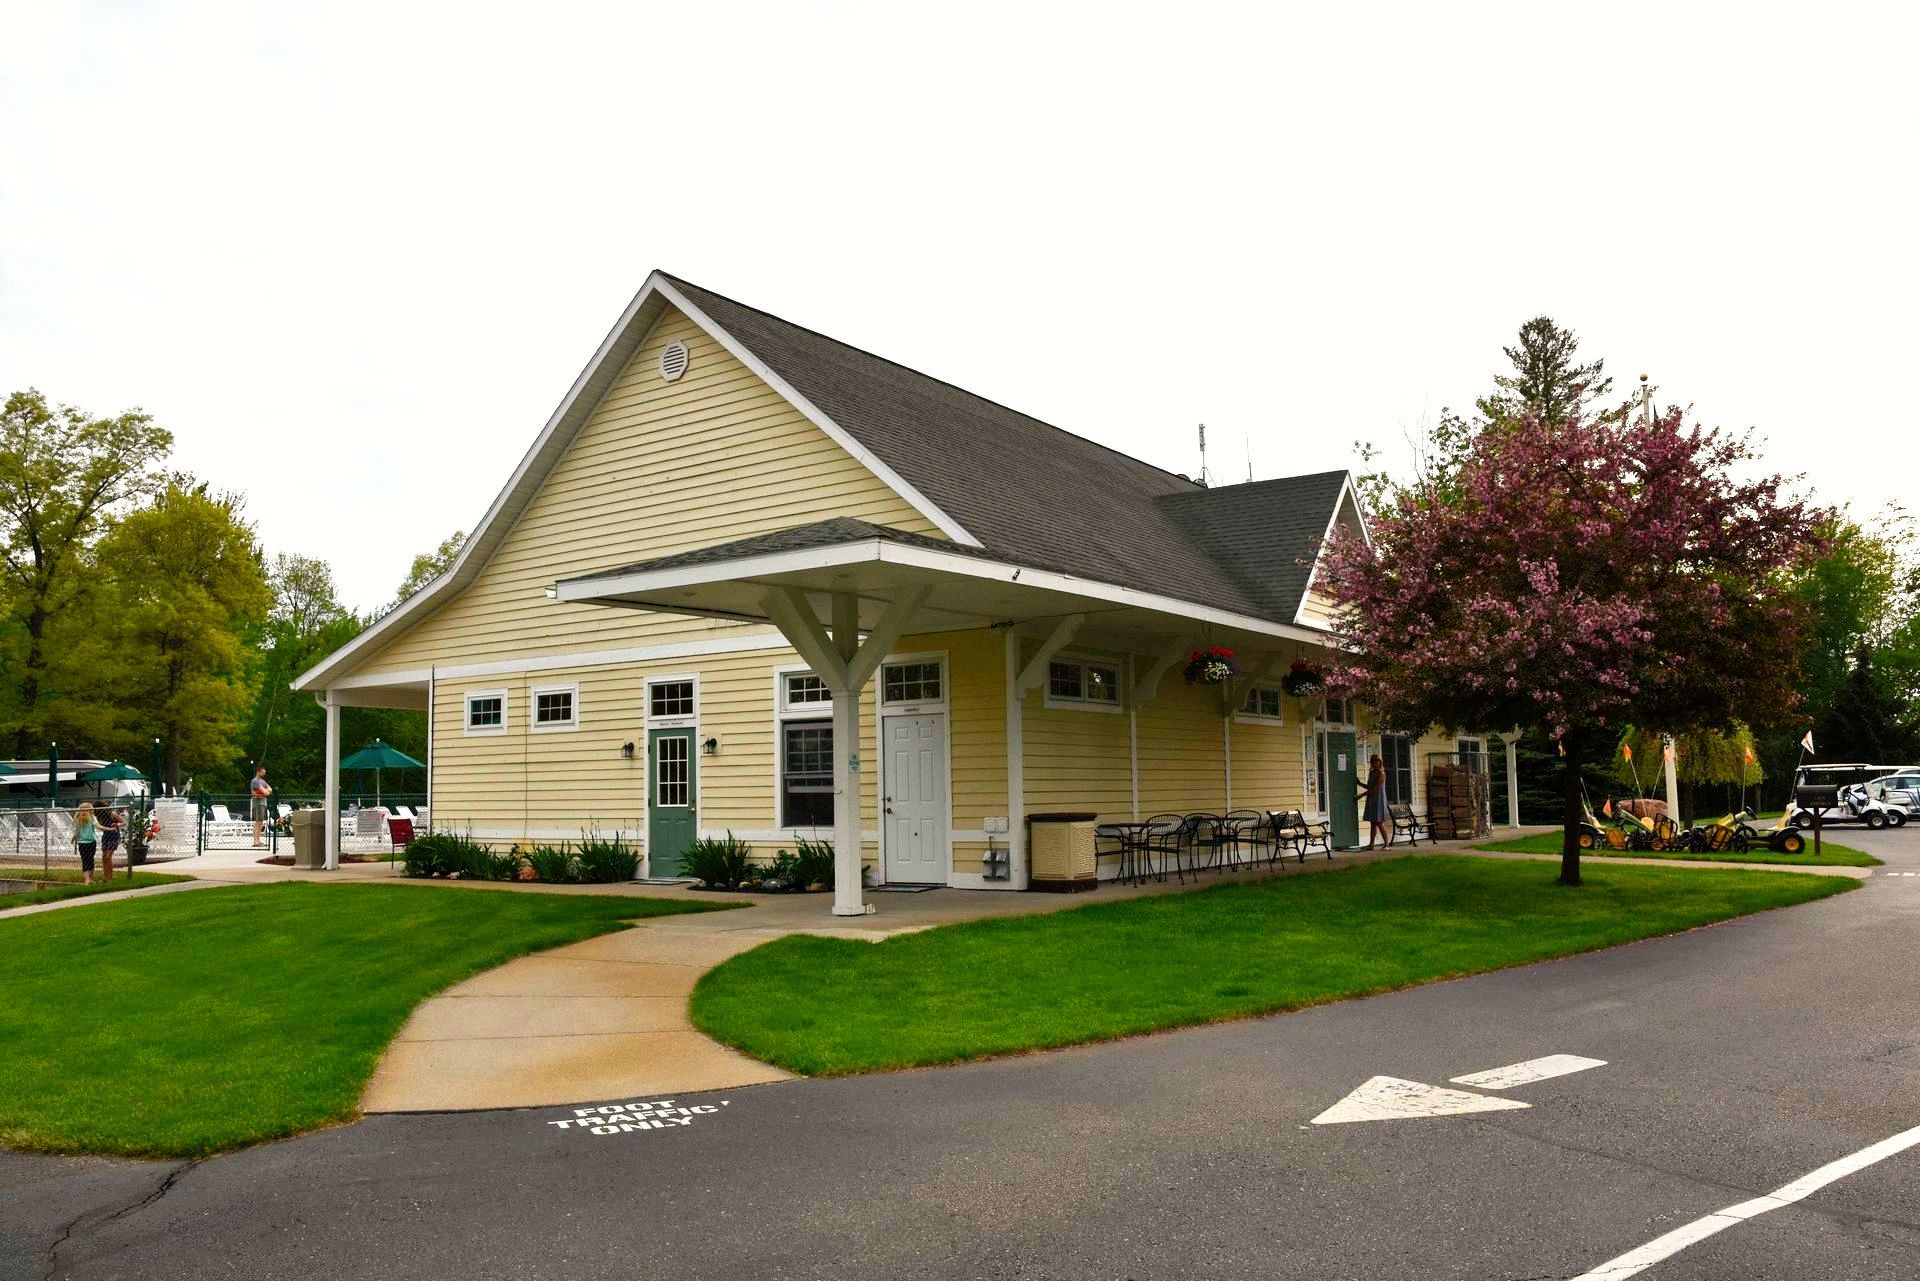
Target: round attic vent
[{"x": 673, "y": 361}]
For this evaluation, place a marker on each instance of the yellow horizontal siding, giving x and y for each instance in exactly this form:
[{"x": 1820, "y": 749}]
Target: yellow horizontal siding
[{"x": 659, "y": 468}]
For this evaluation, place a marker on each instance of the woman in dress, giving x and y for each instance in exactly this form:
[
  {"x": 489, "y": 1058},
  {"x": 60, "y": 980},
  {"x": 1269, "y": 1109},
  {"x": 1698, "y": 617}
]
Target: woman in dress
[{"x": 1375, "y": 793}]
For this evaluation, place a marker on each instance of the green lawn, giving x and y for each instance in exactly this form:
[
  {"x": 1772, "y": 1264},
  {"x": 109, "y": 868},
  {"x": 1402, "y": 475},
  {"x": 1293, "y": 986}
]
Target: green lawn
[
  {"x": 80, "y": 889},
  {"x": 182, "y": 1024},
  {"x": 1831, "y": 854},
  {"x": 827, "y": 1006}
]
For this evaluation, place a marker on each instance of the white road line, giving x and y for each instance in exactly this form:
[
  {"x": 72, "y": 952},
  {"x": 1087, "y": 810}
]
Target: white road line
[
  {"x": 1662, "y": 1247},
  {"x": 1505, "y": 1078}
]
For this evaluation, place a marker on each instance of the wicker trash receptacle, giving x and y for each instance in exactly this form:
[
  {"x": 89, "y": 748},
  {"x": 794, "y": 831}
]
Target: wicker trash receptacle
[{"x": 1060, "y": 852}]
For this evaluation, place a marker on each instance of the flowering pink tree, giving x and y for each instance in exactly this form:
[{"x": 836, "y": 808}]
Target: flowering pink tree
[{"x": 1576, "y": 577}]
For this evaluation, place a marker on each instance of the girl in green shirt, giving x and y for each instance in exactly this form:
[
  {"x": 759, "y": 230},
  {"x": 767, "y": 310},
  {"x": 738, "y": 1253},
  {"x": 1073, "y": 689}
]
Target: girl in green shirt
[{"x": 86, "y": 832}]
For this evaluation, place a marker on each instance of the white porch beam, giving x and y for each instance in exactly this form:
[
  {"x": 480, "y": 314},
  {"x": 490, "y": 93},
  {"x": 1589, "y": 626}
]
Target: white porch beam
[
  {"x": 332, "y": 803},
  {"x": 1237, "y": 694},
  {"x": 1513, "y": 779},
  {"x": 847, "y": 898},
  {"x": 1146, "y": 687},
  {"x": 1036, "y": 668},
  {"x": 793, "y": 615},
  {"x": 1671, "y": 752},
  {"x": 888, "y": 629}
]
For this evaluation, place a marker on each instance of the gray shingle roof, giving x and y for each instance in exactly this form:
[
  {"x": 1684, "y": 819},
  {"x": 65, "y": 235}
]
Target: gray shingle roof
[{"x": 1036, "y": 495}]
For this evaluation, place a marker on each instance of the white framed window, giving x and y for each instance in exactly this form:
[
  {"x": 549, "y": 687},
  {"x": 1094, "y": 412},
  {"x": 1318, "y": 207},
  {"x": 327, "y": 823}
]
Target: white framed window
[
  {"x": 804, "y": 691},
  {"x": 918, "y": 681},
  {"x": 555, "y": 707},
  {"x": 1264, "y": 704},
  {"x": 485, "y": 711},
  {"x": 672, "y": 701},
  {"x": 1336, "y": 711},
  {"x": 1086, "y": 684},
  {"x": 806, "y": 773}
]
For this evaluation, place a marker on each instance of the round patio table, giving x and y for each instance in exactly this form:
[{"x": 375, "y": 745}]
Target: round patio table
[{"x": 1136, "y": 856}]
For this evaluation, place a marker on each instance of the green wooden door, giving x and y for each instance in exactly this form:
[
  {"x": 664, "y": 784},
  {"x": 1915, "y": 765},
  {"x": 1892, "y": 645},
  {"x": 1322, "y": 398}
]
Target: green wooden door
[
  {"x": 672, "y": 793},
  {"x": 1343, "y": 806}
]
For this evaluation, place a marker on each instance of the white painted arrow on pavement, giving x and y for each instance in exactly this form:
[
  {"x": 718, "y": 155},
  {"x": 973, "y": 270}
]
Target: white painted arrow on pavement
[
  {"x": 1387, "y": 1098},
  {"x": 1505, "y": 1078}
]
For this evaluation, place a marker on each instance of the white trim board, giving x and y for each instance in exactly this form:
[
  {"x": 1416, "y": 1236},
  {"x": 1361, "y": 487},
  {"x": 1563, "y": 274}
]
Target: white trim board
[{"x": 888, "y": 552}]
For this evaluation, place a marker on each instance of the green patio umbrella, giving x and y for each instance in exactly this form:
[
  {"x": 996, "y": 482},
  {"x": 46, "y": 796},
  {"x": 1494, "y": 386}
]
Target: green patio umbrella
[
  {"x": 377, "y": 756},
  {"x": 111, "y": 772}
]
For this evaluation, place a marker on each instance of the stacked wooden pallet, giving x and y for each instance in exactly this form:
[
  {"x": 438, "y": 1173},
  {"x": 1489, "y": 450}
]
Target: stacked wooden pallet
[{"x": 1456, "y": 802}]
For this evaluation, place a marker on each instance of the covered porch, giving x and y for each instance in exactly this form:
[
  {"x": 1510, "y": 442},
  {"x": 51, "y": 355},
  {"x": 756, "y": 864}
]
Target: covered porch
[
  {"x": 844, "y": 593},
  {"x": 410, "y": 692}
]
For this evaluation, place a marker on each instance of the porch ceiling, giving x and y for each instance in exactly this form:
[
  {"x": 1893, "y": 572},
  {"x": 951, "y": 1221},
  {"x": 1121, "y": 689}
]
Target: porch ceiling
[{"x": 965, "y": 590}]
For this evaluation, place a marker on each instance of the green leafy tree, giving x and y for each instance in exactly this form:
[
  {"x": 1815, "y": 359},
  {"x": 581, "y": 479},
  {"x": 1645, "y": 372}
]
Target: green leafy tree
[
  {"x": 428, "y": 566},
  {"x": 286, "y": 731},
  {"x": 63, "y": 475},
  {"x": 190, "y": 586},
  {"x": 1703, "y": 758}
]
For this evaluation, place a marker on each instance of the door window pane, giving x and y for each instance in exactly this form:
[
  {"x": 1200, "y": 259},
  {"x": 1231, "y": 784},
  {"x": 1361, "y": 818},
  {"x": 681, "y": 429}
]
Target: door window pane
[{"x": 672, "y": 777}]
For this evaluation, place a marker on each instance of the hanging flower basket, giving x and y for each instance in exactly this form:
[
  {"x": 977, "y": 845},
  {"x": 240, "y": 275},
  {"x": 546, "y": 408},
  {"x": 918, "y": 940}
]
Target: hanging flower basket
[
  {"x": 1304, "y": 679},
  {"x": 1210, "y": 666}
]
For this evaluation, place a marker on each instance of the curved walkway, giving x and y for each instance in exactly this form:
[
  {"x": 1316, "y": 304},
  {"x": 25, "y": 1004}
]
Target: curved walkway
[{"x": 607, "y": 1018}]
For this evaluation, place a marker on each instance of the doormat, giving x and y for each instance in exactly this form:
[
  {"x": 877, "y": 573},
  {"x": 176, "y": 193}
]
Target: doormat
[
  {"x": 901, "y": 889},
  {"x": 666, "y": 880}
]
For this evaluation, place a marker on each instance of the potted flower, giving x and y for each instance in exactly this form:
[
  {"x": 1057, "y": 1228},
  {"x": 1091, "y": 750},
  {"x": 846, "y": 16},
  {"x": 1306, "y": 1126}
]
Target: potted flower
[
  {"x": 1304, "y": 679},
  {"x": 1210, "y": 666}
]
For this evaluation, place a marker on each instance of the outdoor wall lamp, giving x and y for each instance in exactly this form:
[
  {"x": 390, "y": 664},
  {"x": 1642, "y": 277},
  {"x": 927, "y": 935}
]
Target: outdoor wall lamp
[
  {"x": 626, "y": 750},
  {"x": 710, "y": 747}
]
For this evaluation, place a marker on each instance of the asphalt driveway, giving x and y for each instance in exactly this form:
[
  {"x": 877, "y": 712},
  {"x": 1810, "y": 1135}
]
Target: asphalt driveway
[{"x": 1737, "y": 1059}]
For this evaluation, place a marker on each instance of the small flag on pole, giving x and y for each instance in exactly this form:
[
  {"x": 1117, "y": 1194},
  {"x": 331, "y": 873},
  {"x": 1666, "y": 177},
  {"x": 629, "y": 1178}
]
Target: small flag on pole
[
  {"x": 1748, "y": 753},
  {"x": 1807, "y": 742},
  {"x": 1626, "y": 751},
  {"x": 1607, "y": 809}
]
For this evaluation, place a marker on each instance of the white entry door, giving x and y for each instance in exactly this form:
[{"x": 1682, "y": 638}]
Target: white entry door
[{"x": 914, "y": 799}]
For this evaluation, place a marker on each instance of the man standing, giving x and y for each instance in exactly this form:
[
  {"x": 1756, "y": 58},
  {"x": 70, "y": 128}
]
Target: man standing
[{"x": 261, "y": 791}]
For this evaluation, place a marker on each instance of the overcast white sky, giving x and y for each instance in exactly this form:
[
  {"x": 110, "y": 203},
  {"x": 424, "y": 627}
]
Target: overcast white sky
[{"x": 354, "y": 254}]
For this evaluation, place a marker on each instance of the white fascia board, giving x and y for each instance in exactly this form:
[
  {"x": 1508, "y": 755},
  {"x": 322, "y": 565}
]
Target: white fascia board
[
  {"x": 1347, "y": 493},
  {"x": 840, "y": 436},
  {"x": 513, "y": 496},
  {"x": 752, "y": 568}
]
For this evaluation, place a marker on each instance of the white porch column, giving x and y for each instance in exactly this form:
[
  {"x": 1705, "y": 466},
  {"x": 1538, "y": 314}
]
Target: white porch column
[
  {"x": 1671, "y": 753},
  {"x": 847, "y": 899},
  {"x": 1513, "y": 780},
  {"x": 332, "y": 804}
]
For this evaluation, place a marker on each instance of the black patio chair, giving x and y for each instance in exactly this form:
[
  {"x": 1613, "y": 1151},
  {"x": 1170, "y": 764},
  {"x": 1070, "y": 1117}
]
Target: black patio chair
[
  {"x": 1162, "y": 844},
  {"x": 1111, "y": 842},
  {"x": 1250, "y": 830},
  {"x": 1209, "y": 844}
]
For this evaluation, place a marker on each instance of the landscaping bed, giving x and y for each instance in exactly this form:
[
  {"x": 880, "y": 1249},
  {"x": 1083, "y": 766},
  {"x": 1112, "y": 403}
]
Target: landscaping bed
[
  {"x": 184, "y": 1024},
  {"x": 826, "y": 1006},
  {"x": 1831, "y": 854}
]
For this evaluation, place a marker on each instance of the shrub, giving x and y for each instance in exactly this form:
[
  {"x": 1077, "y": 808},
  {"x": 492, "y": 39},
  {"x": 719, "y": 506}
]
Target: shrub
[
  {"x": 554, "y": 863},
  {"x": 811, "y": 864},
  {"x": 607, "y": 860},
  {"x": 435, "y": 854},
  {"x": 719, "y": 864}
]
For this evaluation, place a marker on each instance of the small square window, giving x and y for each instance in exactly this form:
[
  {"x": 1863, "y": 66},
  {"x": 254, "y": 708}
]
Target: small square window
[
  {"x": 1103, "y": 684},
  {"x": 804, "y": 689},
  {"x": 670, "y": 698},
  {"x": 1063, "y": 680},
  {"x": 486, "y": 711},
  {"x": 554, "y": 708},
  {"x": 911, "y": 683}
]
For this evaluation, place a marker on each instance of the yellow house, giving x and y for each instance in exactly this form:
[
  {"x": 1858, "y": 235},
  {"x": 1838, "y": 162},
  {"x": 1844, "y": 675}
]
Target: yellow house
[{"x": 752, "y": 580}]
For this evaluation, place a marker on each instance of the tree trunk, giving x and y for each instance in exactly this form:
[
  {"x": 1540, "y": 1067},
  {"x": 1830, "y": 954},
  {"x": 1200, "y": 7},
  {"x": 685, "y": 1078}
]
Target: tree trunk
[
  {"x": 1571, "y": 812},
  {"x": 30, "y": 684}
]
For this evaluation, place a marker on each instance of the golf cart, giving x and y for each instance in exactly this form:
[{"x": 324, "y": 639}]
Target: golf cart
[
  {"x": 1898, "y": 788},
  {"x": 1857, "y": 803}
]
